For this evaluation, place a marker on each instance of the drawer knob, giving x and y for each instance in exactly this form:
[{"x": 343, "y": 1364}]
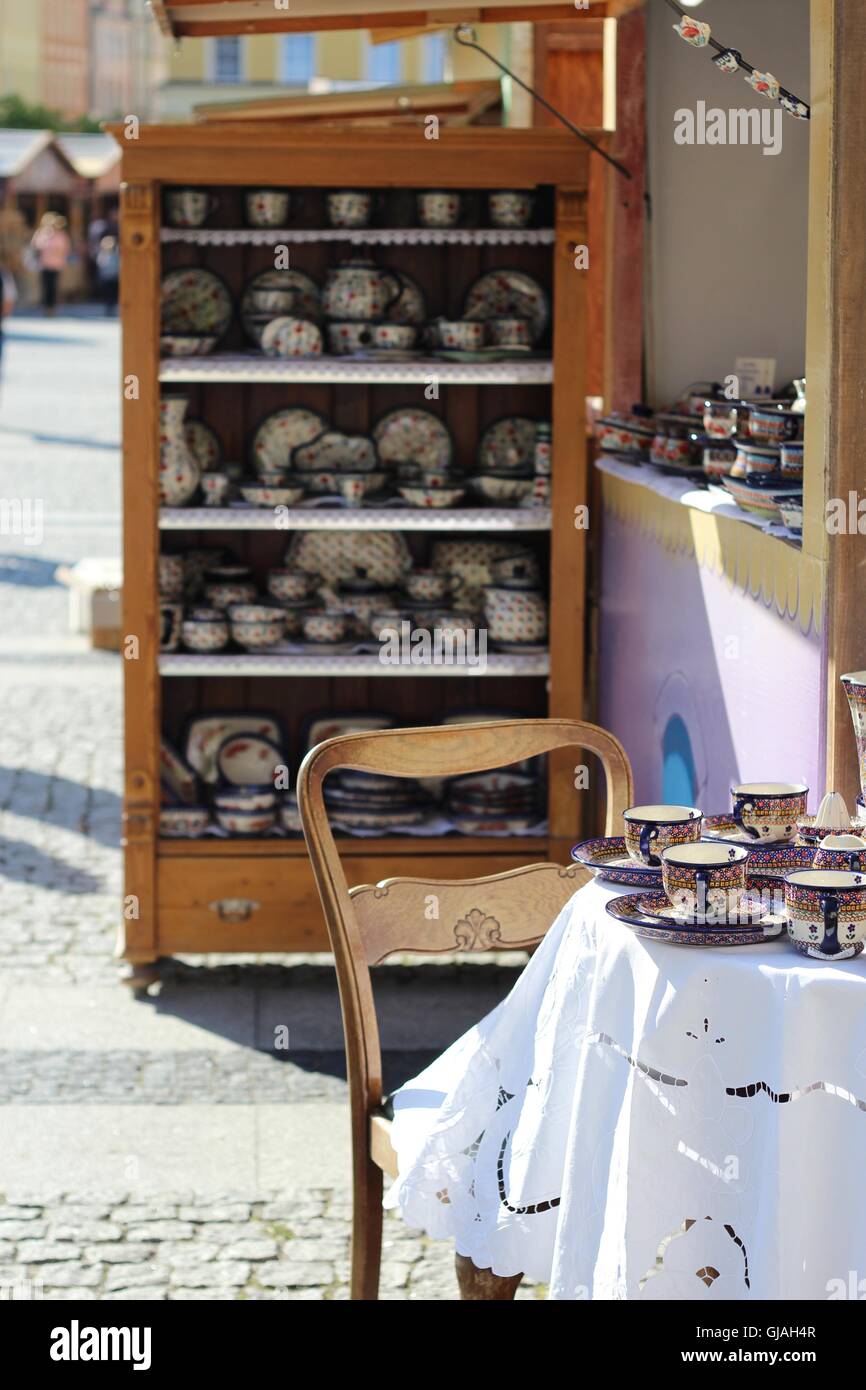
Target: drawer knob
[{"x": 234, "y": 909}]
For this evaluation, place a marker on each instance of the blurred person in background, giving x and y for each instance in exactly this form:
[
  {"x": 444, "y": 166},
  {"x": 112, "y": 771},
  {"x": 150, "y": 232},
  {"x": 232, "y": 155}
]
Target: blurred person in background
[
  {"x": 108, "y": 272},
  {"x": 51, "y": 248},
  {"x": 8, "y": 298}
]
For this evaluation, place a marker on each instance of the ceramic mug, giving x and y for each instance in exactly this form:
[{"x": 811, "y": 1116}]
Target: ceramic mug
[
  {"x": 705, "y": 881},
  {"x": 344, "y": 339},
  {"x": 768, "y": 811},
  {"x": 509, "y": 207},
  {"x": 462, "y": 335},
  {"x": 771, "y": 425},
  {"x": 510, "y": 332},
  {"x": 720, "y": 419},
  {"x": 399, "y": 336},
  {"x": 349, "y": 207},
  {"x": 841, "y": 852},
  {"x": 438, "y": 208},
  {"x": 189, "y": 207},
  {"x": 651, "y": 829},
  {"x": 170, "y": 620},
  {"x": 215, "y": 487},
  {"x": 267, "y": 207},
  {"x": 826, "y": 912}
]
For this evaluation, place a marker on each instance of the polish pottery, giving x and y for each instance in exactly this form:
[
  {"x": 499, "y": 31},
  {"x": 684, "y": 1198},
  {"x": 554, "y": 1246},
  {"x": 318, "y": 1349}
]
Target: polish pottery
[
  {"x": 768, "y": 811},
  {"x": 437, "y": 208},
  {"x": 179, "y": 473},
  {"x": 349, "y": 207},
  {"x": 651, "y": 829},
  {"x": 510, "y": 207},
  {"x": 826, "y": 912},
  {"x": 359, "y": 289}
]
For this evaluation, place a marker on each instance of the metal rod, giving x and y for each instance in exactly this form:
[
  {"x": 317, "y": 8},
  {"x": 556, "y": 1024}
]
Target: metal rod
[{"x": 460, "y": 37}]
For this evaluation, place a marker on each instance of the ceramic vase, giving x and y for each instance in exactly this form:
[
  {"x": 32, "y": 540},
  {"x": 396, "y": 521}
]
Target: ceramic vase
[{"x": 179, "y": 473}]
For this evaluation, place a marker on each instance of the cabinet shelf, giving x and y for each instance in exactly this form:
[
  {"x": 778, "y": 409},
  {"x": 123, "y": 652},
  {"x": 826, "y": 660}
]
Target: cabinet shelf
[
  {"x": 327, "y": 664},
  {"x": 249, "y": 368},
  {"x": 354, "y": 519},
  {"x": 360, "y": 236}
]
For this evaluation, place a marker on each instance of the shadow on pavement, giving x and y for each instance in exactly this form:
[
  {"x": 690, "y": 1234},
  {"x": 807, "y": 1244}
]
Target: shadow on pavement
[
  {"x": 34, "y": 574},
  {"x": 48, "y": 792},
  {"x": 21, "y": 862}
]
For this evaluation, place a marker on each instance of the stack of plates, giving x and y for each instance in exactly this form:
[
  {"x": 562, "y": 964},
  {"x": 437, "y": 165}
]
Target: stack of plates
[
  {"x": 494, "y": 803},
  {"x": 366, "y": 801}
]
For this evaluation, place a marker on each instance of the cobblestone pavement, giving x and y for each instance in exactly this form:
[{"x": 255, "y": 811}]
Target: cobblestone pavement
[{"x": 60, "y": 884}]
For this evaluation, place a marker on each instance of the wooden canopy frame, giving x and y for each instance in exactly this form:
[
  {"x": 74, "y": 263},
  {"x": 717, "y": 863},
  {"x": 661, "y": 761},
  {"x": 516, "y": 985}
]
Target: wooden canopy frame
[{"x": 216, "y": 18}]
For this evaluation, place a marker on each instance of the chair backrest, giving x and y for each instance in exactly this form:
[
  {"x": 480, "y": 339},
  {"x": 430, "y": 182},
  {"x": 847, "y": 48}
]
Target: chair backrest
[{"x": 510, "y": 910}]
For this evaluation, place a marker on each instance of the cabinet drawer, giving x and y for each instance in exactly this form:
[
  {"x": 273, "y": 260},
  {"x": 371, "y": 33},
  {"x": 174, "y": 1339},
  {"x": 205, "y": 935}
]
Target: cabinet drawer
[{"x": 236, "y": 903}]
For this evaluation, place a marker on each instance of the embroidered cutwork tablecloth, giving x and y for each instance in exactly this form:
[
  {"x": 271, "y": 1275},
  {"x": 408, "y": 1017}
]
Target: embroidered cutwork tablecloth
[{"x": 640, "y": 1120}]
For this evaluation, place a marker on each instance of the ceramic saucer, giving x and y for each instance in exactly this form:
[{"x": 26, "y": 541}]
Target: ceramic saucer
[
  {"x": 753, "y": 913},
  {"x": 607, "y": 858},
  {"x": 725, "y": 828},
  {"x": 624, "y": 910}
]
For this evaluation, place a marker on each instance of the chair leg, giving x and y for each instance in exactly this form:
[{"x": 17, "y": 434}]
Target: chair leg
[
  {"x": 366, "y": 1231},
  {"x": 483, "y": 1284}
]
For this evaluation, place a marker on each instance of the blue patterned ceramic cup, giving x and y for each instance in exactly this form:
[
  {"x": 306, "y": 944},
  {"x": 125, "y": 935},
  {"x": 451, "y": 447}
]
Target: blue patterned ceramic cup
[
  {"x": 826, "y": 912},
  {"x": 651, "y": 829},
  {"x": 841, "y": 852}
]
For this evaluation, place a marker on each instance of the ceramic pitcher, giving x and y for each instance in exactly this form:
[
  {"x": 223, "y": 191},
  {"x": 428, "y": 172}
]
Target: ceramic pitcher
[
  {"x": 179, "y": 473},
  {"x": 359, "y": 289}
]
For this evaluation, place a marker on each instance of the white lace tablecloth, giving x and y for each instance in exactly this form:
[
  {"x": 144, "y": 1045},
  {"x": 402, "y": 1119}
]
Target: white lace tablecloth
[{"x": 641, "y": 1120}]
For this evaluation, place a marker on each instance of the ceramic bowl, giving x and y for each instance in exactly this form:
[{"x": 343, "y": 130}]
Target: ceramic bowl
[
  {"x": 187, "y": 345},
  {"x": 432, "y": 497},
  {"x": 205, "y": 634},
  {"x": 267, "y": 207},
  {"x": 769, "y": 424},
  {"x": 183, "y": 822},
  {"x": 703, "y": 879},
  {"x": 768, "y": 811},
  {"x": 510, "y": 332},
  {"x": 346, "y": 337},
  {"x": 651, "y": 829},
  {"x": 291, "y": 585},
  {"x": 246, "y": 822},
  {"x": 246, "y": 798},
  {"x": 324, "y": 626},
  {"x": 215, "y": 488},
  {"x": 826, "y": 912},
  {"x": 464, "y": 335},
  {"x": 222, "y": 593},
  {"x": 510, "y": 207},
  {"x": 755, "y": 458},
  {"x": 349, "y": 207},
  {"x": 257, "y": 625},
  {"x": 399, "y": 337},
  {"x": 254, "y": 612},
  {"x": 515, "y": 615},
  {"x": 438, "y": 208},
  {"x": 289, "y": 337},
  {"x": 497, "y": 487},
  {"x": 262, "y": 493},
  {"x": 847, "y": 852}
]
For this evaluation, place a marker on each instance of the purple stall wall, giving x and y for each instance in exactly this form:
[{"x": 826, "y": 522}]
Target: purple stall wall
[{"x": 679, "y": 640}]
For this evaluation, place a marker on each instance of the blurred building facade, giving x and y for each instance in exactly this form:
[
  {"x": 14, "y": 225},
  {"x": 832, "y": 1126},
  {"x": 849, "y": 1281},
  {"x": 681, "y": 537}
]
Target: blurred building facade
[{"x": 97, "y": 58}]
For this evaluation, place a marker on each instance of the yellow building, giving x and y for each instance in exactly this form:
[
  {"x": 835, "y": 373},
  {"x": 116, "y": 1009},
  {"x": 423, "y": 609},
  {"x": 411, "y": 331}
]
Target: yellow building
[{"x": 260, "y": 65}]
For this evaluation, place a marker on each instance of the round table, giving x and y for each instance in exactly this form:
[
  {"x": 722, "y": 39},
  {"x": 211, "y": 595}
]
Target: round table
[{"x": 644, "y": 1120}]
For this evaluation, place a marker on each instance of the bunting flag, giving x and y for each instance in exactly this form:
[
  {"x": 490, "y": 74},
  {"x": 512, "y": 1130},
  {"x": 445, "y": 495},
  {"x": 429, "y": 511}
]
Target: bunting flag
[{"x": 698, "y": 33}]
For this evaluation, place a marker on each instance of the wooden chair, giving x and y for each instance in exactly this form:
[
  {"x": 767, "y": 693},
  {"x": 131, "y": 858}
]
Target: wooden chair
[{"x": 506, "y": 911}]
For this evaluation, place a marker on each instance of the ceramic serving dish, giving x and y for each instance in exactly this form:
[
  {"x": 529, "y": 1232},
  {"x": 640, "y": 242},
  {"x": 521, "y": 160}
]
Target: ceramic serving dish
[
  {"x": 194, "y": 302},
  {"x": 249, "y": 759},
  {"x": 495, "y": 487},
  {"x": 625, "y": 911},
  {"x": 204, "y": 733},
  {"x": 337, "y": 556},
  {"x": 335, "y": 452},
  {"x": 183, "y": 822},
  {"x": 433, "y": 498}
]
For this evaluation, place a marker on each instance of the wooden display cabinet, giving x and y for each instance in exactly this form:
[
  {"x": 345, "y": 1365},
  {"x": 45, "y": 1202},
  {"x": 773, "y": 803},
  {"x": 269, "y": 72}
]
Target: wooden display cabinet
[{"x": 258, "y": 895}]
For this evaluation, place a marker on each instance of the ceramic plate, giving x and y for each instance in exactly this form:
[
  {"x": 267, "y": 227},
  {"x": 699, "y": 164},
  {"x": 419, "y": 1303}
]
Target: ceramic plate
[
  {"x": 501, "y": 293},
  {"x": 332, "y": 725},
  {"x": 754, "y": 913},
  {"x": 378, "y": 820},
  {"x": 302, "y": 299},
  {"x": 413, "y": 435},
  {"x": 609, "y": 859},
  {"x": 335, "y": 452},
  {"x": 495, "y": 825},
  {"x": 194, "y": 301},
  {"x": 247, "y": 760},
  {"x": 204, "y": 444},
  {"x": 280, "y": 433},
  {"x": 507, "y": 445},
  {"x": 410, "y": 305},
  {"x": 205, "y": 732},
  {"x": 624, "y": 910},
  {"x": 176, "y": 774},
  {"x": 339, "y": 555}
]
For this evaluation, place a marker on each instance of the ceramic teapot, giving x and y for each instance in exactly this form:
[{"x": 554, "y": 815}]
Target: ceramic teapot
[
  {"x": 360, "y": 289},
  {"x": 179, "y": 473}
]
